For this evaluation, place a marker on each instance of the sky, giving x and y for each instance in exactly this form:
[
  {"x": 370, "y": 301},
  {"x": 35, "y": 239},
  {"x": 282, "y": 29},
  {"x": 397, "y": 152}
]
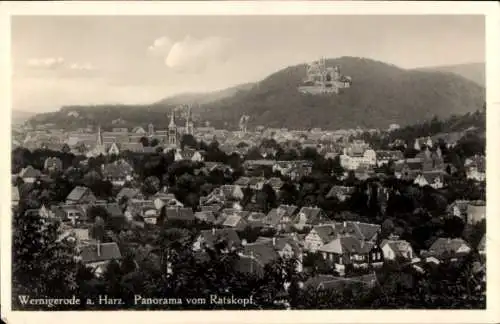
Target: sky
[{"x": 79, "y": 60}]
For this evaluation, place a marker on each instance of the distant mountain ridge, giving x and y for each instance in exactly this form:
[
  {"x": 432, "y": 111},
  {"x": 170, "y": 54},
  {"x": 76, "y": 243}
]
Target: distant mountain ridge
[
  {"x": 204, "y": 97},
  {"x": 380, "y": 94},
  {"x": 475, "y": 72}
]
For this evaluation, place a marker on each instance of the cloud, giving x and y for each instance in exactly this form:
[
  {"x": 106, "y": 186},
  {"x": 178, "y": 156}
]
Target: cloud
[
  {"x": 46, "y": 63},
  {"x": 82, "y": 66},
  {"x": 191, "y": 54},
  {"x": 161, "y": 46},
  {"x": 59, "y": 66}
]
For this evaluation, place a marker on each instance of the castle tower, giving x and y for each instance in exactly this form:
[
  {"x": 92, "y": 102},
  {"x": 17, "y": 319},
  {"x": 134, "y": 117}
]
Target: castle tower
[
  {"x": 189, "y": 122},
  {"x": 172, "y": 130}
]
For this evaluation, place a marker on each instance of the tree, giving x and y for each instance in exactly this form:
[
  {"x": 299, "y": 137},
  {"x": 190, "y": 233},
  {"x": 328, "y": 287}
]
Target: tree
[
  {"x": 188, "y": 140},
  {"x": 337, "y": 168},
  {"x": 151, "y": 185},
  {"x": 154, "y": 142},
  {"x": 253, "y": 154},
  {"x": 144, "y": 141},
  {"x": 65, "y": 148},
  {"x": 41, "y": 265}
]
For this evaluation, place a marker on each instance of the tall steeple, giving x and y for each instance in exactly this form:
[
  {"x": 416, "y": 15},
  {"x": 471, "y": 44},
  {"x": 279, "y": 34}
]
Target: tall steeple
[
  {"x": 172, "y": 130},
  {"x": 172, "y": 120},
  {"x": 189, "y": 122},
  {"x": 99, "y": 136}
]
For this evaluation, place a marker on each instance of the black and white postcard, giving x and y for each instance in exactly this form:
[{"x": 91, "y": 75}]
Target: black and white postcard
[{"x": 252, "y": 156}]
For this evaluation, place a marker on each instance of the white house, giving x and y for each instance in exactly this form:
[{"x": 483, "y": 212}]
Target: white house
[
  {"x": 393, "y": 249},
  {"x": 188, "y": 154},
  {"x": 354, "y": 159}
]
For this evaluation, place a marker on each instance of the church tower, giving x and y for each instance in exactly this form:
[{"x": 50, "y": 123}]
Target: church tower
[
  {"x": 151, "y": 130},
  {"x": 189, "y": 122},
  {"x": 99, "y": 147},
  {"x": 172, "y": 131},
  {"x": 99, "y": 137}
]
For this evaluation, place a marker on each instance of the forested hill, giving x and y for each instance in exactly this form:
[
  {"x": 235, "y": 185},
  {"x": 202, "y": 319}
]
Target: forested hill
[{"x": 381, "y": 94}]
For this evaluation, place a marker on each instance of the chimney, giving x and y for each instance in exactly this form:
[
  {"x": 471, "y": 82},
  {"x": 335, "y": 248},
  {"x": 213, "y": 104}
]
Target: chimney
[{"x": 98, "y": 248}]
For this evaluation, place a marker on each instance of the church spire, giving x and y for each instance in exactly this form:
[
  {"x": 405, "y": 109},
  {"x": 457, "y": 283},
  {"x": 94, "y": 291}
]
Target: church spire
[
  {"x": 99, "y": 136},
  {"x": 172, "y": 120},
  {"x": 189, "y": 123}
]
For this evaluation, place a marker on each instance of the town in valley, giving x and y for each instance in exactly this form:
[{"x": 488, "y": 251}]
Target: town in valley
[
  {"x": 343, "y": 183},
  {"x": 280, "y": 214}
]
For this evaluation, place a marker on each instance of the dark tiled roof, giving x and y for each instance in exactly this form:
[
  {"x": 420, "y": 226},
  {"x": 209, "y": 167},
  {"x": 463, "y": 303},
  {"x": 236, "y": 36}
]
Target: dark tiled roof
[
  {"x": 347, "y": 244},
  {"x": 206, "y": 216},
  {"x": 180, "y": 213},
  {"x": 446, "y": 246},
  {"x": 108, "y": 251},
  {"x": 312, "y": 214},
  {"x": 228, "y": 235},
  {"x": 77, "y": 193},
  {"x": 362, "y": 231},
  {"x": 263, "y": 253},
  {"x": 276, "y": 214},
  {"x": 325, "y": 232}
]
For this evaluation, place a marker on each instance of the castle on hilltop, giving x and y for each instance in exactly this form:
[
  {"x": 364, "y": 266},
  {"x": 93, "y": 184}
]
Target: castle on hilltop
[{"x": 324, "y": 80}]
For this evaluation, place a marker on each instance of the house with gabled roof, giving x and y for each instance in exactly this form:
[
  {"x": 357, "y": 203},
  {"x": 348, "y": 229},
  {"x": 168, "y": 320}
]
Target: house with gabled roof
[
  {"x": 161, "y": 199},
  {"x": 319, "y": 236},
  {"x": 281, "y": 218},
  {"x": 223, "y": 194},
  {"x": 189, "y": 154},
  {"x": 435, "y": 179},
  {"x": 447, "y": 248},
  {"x": 254, "y": 257},
  {"x": 348, "y": 250},
  {"x": 397, "y": 249},
  {"x": 235, "y": 221},
  {"x": 408, "y": 169},
  {"x": 308, "y": 216},
  {"x": 209, "y": 238},
  {"x": 30, "y": 174},
  {"x": 361, "y": 231},
  {"x": 179, "y": 214},
  {"x": 276, "y": 183},
  {"x": 256, "y": 219},
  {"x": 97, "y": 256},
  {"x": 80, "y": 195}
]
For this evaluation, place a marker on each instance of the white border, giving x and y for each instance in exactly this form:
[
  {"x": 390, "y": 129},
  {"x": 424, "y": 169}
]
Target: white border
[{"x": 489, "y": 9}]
